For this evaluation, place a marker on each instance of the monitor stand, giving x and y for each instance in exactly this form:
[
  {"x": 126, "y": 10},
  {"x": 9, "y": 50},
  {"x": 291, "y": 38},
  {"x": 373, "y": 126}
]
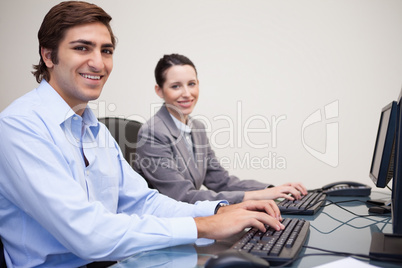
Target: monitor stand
[{"x": 386, "y": 246}]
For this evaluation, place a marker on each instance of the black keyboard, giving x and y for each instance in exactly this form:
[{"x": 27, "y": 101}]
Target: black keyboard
[
  {"x": 277, "y": 247},
  {"x": 307, "y": 205}
]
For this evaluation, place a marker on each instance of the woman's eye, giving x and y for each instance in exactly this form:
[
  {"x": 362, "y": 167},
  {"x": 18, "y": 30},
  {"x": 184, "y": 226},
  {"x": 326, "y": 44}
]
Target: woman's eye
[{"x": 175, "y": 86}]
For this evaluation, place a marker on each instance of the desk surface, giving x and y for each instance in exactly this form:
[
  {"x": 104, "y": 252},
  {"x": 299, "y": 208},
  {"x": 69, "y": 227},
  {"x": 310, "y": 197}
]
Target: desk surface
[{"x": 333, "y": 228}]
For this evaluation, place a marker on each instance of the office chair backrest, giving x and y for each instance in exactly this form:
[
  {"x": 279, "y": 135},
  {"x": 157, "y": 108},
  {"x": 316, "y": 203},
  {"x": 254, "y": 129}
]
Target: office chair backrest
[{"x": 125, "y": 132}]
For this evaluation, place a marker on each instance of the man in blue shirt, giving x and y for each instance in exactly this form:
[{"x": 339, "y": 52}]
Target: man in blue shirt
[{"x": 67, "y": 196}]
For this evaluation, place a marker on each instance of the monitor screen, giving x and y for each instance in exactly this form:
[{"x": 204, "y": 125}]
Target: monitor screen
[{"x": 382, "y": 164}]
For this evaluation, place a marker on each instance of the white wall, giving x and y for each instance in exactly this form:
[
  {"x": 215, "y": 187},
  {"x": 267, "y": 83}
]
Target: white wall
[{"x": 259, "y": 60}]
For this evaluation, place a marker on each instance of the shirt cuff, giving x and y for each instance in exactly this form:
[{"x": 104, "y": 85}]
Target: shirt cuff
[
  {"x": 184, "y": 230},
  {"x": 207, "y": 208},
  {"x": 220, "y": 204}
]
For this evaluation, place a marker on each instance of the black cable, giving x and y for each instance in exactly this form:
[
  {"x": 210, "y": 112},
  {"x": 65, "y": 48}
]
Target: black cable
[
  {"x": 351, "y": 212},
  {"x": 385, "y": 221},
  {"x": 357, "y": 255}
]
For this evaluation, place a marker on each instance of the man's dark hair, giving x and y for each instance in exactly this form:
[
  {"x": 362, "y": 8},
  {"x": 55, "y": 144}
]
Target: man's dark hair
[{"x": 57, "y": 21}]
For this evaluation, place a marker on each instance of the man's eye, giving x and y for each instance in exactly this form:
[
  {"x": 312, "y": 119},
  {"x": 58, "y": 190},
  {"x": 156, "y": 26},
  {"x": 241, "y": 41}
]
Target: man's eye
[
  {"x": 81, "y": 48},
  {"x": 108, "y": 51},
  {"x": 191, "y": 84}
]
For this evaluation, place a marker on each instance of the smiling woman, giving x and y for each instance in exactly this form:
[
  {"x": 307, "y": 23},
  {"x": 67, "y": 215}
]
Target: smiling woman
[{"x": 175, "y": 155}]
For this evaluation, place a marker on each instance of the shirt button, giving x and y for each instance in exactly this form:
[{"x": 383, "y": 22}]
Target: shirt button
[
  {"x": 75, "y": 118},
  {"x": 87, "y": 172}
]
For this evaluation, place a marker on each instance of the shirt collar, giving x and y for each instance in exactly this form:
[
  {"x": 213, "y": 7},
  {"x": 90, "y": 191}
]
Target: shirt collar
[
  {"x": 60, "y": 111},
  {"x": 90, "y": 120},
  {"x": 180, "y": 125}
]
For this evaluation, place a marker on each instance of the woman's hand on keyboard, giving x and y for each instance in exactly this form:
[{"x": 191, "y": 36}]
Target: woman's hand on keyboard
[
  {"x": 290, "y": 191},
  {"x": 233, "y": 219}
]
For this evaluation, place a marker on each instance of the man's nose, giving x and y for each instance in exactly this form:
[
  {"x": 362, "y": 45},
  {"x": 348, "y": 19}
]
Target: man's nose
[{"x": 96, "y": 61}]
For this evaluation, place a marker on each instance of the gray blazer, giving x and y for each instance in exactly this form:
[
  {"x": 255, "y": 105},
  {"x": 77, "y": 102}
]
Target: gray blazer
[{"x": 165, "y": 162}]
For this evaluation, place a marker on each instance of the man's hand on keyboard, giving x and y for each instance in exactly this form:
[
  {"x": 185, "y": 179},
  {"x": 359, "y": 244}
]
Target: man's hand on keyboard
[
  {"x": 235, "y": 218},
  {"x": 290, "y": 191},
  {"x": 268, "y": 206}
]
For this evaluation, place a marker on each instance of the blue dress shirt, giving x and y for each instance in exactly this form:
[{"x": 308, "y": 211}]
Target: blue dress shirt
[{"x": 57, "y": 212}]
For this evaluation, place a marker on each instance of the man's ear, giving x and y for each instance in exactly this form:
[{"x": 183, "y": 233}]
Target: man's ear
[
  {"x": 47, "y": 56},
  {"x": 159, "y": 91}
]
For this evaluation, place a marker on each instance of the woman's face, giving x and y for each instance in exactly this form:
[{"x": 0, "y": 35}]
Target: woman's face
[{"x": 180, "y": 91}]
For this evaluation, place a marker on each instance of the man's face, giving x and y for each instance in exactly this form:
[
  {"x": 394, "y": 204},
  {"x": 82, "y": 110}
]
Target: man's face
[{"x": 85, "y": 62}]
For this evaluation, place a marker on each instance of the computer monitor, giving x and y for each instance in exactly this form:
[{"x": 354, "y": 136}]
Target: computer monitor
[
  {"x": 390, "y": 245},
  {"x": 396, "y": 199},
  {"x": 382, "y": 164}
]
